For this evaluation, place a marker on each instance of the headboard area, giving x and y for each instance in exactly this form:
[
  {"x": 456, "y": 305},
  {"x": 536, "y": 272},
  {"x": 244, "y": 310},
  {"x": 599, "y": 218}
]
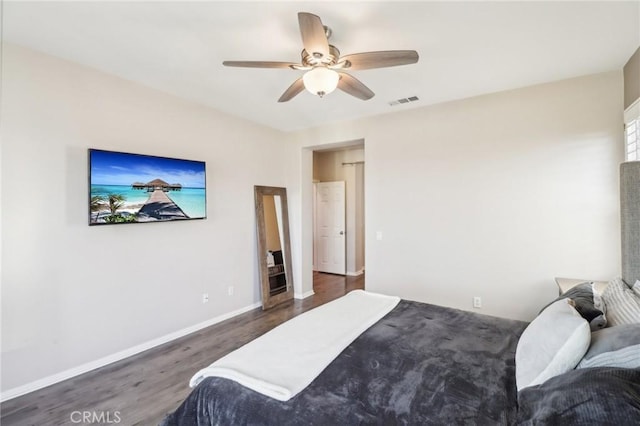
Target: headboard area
[{"x": 630, "y": 220}]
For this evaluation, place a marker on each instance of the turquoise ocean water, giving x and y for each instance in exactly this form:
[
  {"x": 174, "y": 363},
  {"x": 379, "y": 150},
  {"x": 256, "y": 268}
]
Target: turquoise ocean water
[{"x": 192, "y": 201}]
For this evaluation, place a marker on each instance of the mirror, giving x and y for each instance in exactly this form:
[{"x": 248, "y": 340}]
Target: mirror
[{"x": 274, "y": 247}]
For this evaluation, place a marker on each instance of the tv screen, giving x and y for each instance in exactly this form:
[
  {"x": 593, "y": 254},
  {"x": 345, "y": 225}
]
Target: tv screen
[{"x": 132, "y": 188}]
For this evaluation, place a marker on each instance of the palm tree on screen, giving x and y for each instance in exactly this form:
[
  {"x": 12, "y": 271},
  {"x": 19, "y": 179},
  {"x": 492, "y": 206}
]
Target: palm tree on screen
[
  {"x": 115, "y": 202},
  {"x": 96, "y": 204}
]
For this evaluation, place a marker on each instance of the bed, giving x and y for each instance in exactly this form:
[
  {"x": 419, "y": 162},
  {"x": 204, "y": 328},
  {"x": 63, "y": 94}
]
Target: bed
[{"x": 423, "y": 364}]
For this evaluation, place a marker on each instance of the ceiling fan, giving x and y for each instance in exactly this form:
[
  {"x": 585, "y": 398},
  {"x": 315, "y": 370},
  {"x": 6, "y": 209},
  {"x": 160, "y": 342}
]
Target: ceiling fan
[{"x": 325, "y": 67}]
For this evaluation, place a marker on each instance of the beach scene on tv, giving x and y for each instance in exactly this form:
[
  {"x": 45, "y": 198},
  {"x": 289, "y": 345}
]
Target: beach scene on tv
[{"x": 129, "y": 188}]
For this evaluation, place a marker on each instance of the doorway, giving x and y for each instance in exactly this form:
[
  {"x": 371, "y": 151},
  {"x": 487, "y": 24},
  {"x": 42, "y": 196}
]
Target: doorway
[{"x": 346, "y": 166}]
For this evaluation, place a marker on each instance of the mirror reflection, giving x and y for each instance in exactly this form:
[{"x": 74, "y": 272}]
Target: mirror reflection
[
  {"x": 273, "y": 245},
  {"x": 273, "y": 236}
]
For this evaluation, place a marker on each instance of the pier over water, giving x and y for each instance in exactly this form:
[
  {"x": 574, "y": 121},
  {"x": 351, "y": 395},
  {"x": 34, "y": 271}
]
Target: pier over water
[{"x": 160, "y": 207}]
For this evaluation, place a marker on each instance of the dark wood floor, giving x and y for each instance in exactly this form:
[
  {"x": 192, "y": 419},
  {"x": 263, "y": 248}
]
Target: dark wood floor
[{"x": 142, "y": 389}]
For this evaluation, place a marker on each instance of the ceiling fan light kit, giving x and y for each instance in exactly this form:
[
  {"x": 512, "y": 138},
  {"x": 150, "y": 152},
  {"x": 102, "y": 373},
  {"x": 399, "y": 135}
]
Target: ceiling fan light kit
[
  {"x": 320, "y": 81},
  {"x": 323, "y": 64}
]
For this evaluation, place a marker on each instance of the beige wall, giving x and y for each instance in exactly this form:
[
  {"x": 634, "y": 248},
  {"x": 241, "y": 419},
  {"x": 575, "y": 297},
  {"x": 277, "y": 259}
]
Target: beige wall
[
  {"x": 74, "y": 296},
  {"x": 328, "y": 164},
  {"x": 492, "y": 196},
  {"x": 632, "y": 79}
]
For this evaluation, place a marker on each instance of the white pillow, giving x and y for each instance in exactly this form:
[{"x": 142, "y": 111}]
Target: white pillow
[
  {"x": 623, "y": 305},
  {"x": 552, "y": 344},
  {"x": 636, "y": 288}
]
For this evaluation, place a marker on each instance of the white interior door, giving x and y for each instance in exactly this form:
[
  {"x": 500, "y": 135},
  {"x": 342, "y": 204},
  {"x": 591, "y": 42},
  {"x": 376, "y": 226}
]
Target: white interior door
[{"x": 330, "y": 227}]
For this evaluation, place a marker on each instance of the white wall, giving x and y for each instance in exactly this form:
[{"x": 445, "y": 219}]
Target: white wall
[
  {"x": 492, "y": 196},
  {"x": 73, "y": 294}
]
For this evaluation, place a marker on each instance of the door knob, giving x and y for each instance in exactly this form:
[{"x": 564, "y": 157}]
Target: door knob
[{"x": 341, "y": 232}]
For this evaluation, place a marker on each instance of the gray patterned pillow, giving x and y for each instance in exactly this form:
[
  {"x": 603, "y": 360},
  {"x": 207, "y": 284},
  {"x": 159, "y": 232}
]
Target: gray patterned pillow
[
  {"x": 614, "y": 347},
  {"x": 623, "y": 305}
]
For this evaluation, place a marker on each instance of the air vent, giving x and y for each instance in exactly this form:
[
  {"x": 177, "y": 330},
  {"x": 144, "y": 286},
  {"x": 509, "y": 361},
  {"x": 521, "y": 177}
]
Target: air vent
[{"x": 404, "y": 100}]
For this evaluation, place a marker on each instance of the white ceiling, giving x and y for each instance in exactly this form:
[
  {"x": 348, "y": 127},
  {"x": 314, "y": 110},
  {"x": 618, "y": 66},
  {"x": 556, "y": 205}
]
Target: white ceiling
[{"x": 466, "y": 48}]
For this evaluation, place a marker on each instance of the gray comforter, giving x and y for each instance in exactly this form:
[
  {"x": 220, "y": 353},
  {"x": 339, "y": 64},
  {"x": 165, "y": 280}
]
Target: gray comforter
[
  {"x": 426, "y": 365},
  {"x": 421, "y": 365}
]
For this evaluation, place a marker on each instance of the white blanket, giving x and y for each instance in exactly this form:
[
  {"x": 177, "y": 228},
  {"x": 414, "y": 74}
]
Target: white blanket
[{"x": 288, "y": 358}]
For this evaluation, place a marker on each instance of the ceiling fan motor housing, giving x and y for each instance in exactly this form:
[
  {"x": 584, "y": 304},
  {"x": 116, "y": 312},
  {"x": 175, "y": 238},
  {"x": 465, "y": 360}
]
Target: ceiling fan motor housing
[{"x": 317, "y": 58}]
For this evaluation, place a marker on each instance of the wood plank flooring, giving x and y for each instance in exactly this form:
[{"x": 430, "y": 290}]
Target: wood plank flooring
[{"x": 142, "y": 389}]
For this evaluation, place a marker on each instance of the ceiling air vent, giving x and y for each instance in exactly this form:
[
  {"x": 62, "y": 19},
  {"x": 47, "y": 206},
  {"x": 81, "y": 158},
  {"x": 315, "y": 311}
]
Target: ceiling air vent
[{"x": 404, "y": 100}]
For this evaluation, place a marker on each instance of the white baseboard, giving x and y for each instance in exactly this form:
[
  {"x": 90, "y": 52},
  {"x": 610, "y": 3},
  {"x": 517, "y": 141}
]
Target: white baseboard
[
  {"x": 304, "y": 295},
  {"x": 118, "y": 356},
  {"x": 355, "y": 274}
]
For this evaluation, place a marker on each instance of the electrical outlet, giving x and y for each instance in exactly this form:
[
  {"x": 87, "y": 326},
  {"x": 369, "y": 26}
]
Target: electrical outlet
[
  {"x": 205, "y": 297},
  {"x": 477, "y": 302},
  {"x": 230, "y": 290}
]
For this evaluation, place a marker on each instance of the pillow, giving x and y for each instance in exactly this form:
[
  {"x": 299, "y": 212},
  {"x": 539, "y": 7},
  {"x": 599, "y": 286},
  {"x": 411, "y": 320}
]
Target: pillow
[
  {"x": 553, "y": 343},
  {"x": 623, "y": 306},
  {"x": 614, "y": 347},
  {"x": 588, "y": 396},
  {"x": 565, "y": 284},
  {"x": 598, "y": 303},
  {"x": 636, "y": 288},
  {"x": 598, "y": 323},
  {"x": 584, "y": 300}
]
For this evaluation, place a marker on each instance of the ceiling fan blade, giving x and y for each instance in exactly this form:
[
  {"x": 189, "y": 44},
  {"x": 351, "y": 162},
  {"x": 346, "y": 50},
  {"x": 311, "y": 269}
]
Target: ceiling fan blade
[
  {"x": 314, "y": 38},
  {"x": 382, "y": 59},
  {"x": 354, "y": 87},
  {"x": 293, "y": 90},
  {"x": 259, "y": 64}
]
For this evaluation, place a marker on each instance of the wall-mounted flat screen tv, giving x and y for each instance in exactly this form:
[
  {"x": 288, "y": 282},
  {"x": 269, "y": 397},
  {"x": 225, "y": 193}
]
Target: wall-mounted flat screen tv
[{"x": 133, "y": 188}]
